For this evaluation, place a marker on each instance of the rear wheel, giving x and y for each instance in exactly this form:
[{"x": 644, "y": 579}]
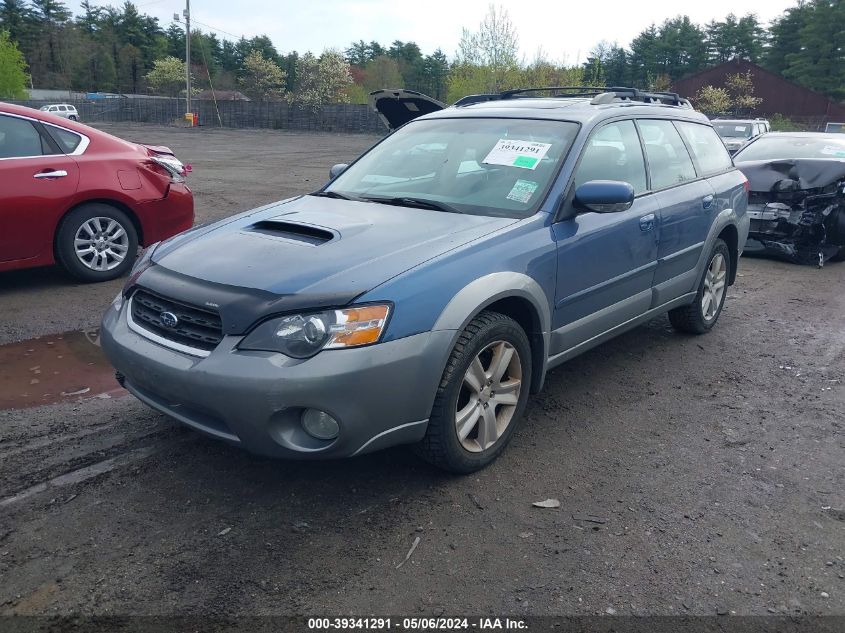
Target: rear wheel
[
  {"x": 96, "y": 242},
  {"x": 73, "y": 118},
  {"x": 701, "y": 315},
  {"x": 481, "y": 396}
]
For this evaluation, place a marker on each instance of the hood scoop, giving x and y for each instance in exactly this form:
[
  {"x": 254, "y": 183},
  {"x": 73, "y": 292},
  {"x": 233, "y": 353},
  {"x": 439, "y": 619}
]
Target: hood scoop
[{"x": 293, "y": 231}]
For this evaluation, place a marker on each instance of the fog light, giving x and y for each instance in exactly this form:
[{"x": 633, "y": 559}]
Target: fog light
[{"x": 319, "y": 424}]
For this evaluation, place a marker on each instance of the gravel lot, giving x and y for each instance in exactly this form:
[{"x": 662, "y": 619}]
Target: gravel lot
[{"x": 696, "y": 475}]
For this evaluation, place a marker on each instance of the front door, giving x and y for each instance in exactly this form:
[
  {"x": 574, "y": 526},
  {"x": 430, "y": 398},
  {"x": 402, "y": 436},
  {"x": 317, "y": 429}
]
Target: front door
[{"x": 606, "y": 261}]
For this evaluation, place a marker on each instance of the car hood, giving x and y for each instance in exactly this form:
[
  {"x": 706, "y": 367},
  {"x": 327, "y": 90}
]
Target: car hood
[
  {"x": 807, "y": 173},
  {"x": 309, "y": 252}
]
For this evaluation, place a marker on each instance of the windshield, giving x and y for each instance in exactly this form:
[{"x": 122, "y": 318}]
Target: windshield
[
  {"x": 786, "y": 147},
  {"x": 730, "y": 129},
  {"x": 497, "y": 167}
]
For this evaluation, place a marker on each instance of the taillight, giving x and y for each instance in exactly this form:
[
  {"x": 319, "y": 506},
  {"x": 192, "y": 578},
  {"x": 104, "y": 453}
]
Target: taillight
[{"x": 746, "y": 185}]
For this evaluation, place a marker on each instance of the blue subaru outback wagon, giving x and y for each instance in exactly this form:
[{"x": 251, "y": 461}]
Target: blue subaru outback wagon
[{"x": 423, "y": 293}]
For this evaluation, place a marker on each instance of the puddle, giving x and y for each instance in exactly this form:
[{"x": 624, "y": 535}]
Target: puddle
[{"x": 56, "y": 368}]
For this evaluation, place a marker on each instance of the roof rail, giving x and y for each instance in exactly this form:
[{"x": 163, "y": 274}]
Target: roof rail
[{"x": 599, "y": 95}]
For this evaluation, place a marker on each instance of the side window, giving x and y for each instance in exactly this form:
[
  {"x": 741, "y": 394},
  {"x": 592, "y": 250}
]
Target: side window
[
  {"x": 707, "y": 148},
  {"x": 18, "y": 138},
  {"x": 669, "y": 162},
  {"x": 613, "y": 152},
  {"x": 68, "y": 141},
  {"x": 62, "y": 108},
  {"x": 53, "y": 109}
]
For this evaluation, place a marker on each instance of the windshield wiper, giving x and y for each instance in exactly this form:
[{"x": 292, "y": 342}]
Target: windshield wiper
[
  {"x": 420, "y": 203},
  {"x": 333, "y": 194}
]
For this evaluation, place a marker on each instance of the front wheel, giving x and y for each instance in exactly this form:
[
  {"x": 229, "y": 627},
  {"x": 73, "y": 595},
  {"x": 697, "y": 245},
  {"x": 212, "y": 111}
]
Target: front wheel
[
  {"x": 481, "y": 396},
  {"x": 701, "y": 315}
]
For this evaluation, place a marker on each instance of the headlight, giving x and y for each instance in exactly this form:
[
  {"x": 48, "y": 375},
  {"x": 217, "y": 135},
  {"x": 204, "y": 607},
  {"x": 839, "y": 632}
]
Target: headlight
[{"x": 303, "y": 335}]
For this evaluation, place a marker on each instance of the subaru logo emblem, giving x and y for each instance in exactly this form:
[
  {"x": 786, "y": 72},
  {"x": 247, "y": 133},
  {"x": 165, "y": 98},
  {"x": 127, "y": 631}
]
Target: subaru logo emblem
[{"x": 168, "y": 319}]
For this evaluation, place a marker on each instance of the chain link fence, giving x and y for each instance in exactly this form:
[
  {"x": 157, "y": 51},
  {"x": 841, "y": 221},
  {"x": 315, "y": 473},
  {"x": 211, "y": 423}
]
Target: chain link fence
[{"x": 340, "y": 117}]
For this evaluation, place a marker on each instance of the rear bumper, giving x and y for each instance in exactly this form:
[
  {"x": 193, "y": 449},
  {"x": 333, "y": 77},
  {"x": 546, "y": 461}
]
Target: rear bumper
[
  {"x": 168, "y": 216},
  {"x": 380, "y": 395}
]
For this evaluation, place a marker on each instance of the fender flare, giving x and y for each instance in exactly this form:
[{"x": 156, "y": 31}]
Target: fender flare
[{"x": 485, "y": 291}]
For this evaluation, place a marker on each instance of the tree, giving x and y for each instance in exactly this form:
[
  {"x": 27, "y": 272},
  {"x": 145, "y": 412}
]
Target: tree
[
  {"x": 323, "y": 80},
  {"x": 741, "y": 89},
  {"x": 493, "y": 47},
  {"x": 167, "y": 77},
  {"x": 262, "y": 78},
  {"x": 382, "y": 72},
  {"x": 711, "y": 100},
  {"x": 13, "y": 77},
  {"x": 734, "y": 38},
  {"x": 335, "y": 78}
]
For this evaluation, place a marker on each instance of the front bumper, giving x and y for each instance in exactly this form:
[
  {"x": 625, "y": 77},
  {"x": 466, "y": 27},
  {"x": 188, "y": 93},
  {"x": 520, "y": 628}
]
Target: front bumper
[{"x": 380, "y": 395}]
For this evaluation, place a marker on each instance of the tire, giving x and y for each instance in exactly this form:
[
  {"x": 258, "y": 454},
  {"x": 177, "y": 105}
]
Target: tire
[
  {"x": 72, "y": 118},
  {"x": 110, "y": 234},
  {"x": 490, "y": 419},
  {"x": 699, "y": 317}
]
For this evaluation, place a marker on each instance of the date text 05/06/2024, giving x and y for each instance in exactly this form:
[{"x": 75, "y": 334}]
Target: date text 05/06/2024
[{"x": 415, "y": 624}]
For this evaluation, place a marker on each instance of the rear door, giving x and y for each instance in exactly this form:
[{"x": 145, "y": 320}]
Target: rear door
[
  {"x": 37, "y": 180},
  {"x": 605, "y": 261},
  {"x": 687, "y": 207}
]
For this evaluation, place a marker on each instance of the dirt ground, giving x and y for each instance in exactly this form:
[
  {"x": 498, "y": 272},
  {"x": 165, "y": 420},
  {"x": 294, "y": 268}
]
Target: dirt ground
[{"x": 696, "y": 475}]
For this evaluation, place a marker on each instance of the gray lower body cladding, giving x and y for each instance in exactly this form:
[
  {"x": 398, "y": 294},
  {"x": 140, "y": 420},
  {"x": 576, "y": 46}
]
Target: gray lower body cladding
[{"x": 380, "y": 395}]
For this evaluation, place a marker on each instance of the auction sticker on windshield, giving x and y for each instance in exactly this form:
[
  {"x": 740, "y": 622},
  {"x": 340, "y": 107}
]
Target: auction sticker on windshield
[
  {"x": 513, "y": 153},
  {"x": 522, "y": 191}
]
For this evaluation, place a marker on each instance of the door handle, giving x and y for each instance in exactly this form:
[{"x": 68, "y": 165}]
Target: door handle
[
  {"x": 56, "y": 173},
  {"x": 647, "y": 223},
  {"x": 706, "y": 201}
]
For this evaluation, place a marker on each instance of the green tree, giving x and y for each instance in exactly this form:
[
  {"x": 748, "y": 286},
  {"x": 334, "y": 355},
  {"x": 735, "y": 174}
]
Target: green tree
[
  {"x": 167, "y": 77},
  {"x": 13, "y": 77},
  {"x": 494, "y": 47},
  {"x": 322, "y": 80},
  {"x": 261, "y": 78},
  {"x": 712, "y": 100},
  {"x": 382, "y": 72}
]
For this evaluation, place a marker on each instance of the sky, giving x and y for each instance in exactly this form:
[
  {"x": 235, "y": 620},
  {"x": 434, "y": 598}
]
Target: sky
[{"x": 565, "y": 29}]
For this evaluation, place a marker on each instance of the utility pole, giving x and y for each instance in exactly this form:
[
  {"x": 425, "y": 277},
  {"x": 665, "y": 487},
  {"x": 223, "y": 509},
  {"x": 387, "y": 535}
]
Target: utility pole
[{"x": 187, "y": 15}]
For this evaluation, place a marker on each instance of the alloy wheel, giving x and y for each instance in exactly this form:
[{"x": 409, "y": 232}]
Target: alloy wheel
[
  {"x": 715, "y": 280},
  {"x": 101, "y": 243},
  {"x": 489, "y": 396}
]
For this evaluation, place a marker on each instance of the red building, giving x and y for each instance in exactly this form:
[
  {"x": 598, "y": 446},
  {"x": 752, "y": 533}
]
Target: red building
[{"x": 779, "y": 95}]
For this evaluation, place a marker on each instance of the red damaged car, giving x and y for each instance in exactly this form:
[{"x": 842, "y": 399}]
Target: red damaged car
[{"x": 81, "y": 198}]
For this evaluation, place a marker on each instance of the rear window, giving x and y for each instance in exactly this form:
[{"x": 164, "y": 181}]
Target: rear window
[
  {"x": 68, "y": 141},
  {"x": 770, "y": 147},
  {"x": 709, "y": 152}
]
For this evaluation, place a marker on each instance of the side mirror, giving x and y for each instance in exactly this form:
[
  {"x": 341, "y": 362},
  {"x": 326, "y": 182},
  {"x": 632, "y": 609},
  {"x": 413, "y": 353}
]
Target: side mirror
[
  {"x": 604, "y": 196},
  {"x": 337, "y": 170}
]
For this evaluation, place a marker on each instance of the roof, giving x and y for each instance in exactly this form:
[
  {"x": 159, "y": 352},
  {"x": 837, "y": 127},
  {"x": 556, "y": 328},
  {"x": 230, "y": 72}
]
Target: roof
[{"x": 577, "y": 109}]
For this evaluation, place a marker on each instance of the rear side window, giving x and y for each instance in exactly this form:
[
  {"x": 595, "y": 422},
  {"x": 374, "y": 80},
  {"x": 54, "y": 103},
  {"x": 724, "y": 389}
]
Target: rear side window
[
  {"x": 68, "y": 141},
  {"x": 669, "y": 162},
  {"x": 710, "y": 154},
  {"x": 18, "y": 138},
  {"x": 62, "y": 108},
  {"x": 613, "y": 153}
]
